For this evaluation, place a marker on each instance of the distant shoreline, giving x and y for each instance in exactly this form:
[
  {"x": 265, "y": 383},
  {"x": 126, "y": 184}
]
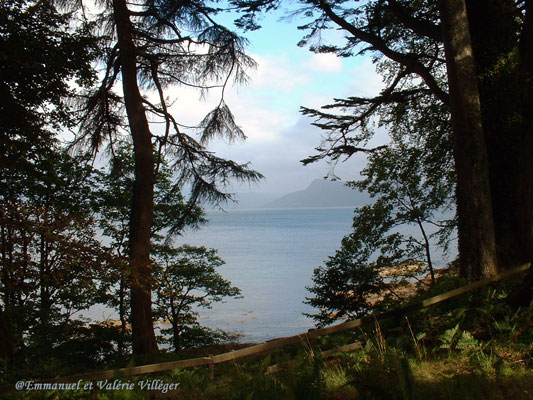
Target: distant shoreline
[{"x": 281, "y": 208}]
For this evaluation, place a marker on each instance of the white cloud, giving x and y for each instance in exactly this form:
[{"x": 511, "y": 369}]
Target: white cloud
[
  {"x": 325, "y": 62},
  {"x": 277, "y": 72},
  {"x": 365, "y": 81},
  {"x": 268, "y": 111}
]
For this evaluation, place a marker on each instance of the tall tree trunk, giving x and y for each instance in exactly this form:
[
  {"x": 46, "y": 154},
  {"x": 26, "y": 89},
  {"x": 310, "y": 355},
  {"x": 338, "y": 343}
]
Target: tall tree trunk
[
  {"x": 504, "y": 79},
  {"x": 142, "y": 210},
  {"x": 477, "y": 250},
  {"x": 525, "y": 294}
]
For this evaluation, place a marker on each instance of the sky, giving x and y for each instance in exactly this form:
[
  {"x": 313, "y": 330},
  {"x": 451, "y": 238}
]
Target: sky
[{"x": 267, "y": 108}]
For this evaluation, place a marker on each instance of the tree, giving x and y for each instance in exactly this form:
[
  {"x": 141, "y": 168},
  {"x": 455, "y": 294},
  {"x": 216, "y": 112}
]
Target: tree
[
  {"x": 501, "y": 34},
  {"x": 375, "y": 259},
  {"x": 477, "y": 246},
  {"x": 39, "y": 53},
  {"x": 51, "y": 263},
  {"x": 406, "y": 37},
  {"x": 183, "y": 277},
  {"x": 171, "y": 215},
  {"x": 154, "y": 44},
  {"x": 187, "y": 278},
  {"x": 344, "y": 287},
  {"x": 397, "y": 179}
]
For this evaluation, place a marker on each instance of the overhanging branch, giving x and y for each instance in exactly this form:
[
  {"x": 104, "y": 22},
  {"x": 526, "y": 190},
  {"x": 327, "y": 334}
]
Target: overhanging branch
[{"x": 409, "y": 61}]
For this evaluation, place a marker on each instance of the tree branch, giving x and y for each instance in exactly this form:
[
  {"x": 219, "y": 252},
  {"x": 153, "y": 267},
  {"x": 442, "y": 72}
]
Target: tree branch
[
  {"x": 417, "y": 25},
  {"x": 409, "y": 61}
]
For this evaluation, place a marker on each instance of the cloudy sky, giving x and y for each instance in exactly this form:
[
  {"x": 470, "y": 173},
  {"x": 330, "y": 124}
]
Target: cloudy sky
[{"x": 267, "y": 109}]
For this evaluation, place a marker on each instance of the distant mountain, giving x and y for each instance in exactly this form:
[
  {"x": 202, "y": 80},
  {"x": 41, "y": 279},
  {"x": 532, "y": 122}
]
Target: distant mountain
[
  {"x": 321, "y": 193},
  {"x": 247, "y": 200}
]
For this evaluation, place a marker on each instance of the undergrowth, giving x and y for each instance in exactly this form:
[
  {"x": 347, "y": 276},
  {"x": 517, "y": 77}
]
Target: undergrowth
[{"x": 472, "y": 347}]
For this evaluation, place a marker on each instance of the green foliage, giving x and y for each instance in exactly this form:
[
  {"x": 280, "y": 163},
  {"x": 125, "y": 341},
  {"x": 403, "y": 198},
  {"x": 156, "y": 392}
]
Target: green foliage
[
  {"x": 456, "y": 338},
  {"x": 52, "y": 263},
  {"x": 256, "y": 387},
  {"x": 341, "y": 289},
  {"x": 39, "y": 54},
  {"x": 469, "y": 367},
  {"x": 194, "y": 383},
  {"x": 187, "y": 278},
  {"x": 381, "y": 375},
  {"x": 91, "y": 345},
  {"x": 375, "y": 257}
]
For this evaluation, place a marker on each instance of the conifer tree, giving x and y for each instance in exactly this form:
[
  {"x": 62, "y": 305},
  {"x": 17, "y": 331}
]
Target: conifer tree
[{"x": 151, "y": 45}]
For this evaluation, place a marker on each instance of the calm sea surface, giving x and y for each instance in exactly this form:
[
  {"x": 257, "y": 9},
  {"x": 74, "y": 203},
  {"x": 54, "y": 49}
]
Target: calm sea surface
[{"x": 270, "y": 255}]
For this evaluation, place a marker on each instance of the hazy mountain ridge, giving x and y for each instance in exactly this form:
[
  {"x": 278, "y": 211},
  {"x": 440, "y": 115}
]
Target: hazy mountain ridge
[{"x": 321, "y": 193}]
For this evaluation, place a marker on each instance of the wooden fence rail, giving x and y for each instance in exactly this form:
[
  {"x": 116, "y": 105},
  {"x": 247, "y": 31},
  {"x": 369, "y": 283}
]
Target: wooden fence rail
[{"x": 281, "y": 342}]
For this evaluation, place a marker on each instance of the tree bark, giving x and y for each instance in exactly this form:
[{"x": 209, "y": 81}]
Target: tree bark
[
  {"x": 142, "y": 209},
  {"x": 477, "y": 249},
  {"x": 176, "y": 335},
  {"x": 505, "y": 86},
  {"x": 122, "y": 314},
  {"x": 524, "y": 295}
]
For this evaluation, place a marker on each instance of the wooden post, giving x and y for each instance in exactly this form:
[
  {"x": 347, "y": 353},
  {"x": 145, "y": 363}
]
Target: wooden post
[
  {"x": 346, "y": 348},
  {"x": 94, "y": 391},
  {"x": 212, "y": 367}
]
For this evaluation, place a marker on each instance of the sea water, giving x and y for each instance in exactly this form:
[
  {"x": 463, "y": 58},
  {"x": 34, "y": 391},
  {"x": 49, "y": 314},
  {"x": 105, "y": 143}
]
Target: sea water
[{"x": 270, "y": 255}]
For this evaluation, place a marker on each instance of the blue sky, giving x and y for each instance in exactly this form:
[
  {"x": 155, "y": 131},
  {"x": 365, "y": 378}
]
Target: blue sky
[{"x": 267, "y": 109}]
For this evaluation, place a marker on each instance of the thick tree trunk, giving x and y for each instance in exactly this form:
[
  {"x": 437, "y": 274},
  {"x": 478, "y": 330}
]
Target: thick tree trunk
[
  {"x": 477, "y": 250},
  {"x": 524, "y": 295},
  {"x": 504, "y": 79},
  {"x": 142, "y": 210}
]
